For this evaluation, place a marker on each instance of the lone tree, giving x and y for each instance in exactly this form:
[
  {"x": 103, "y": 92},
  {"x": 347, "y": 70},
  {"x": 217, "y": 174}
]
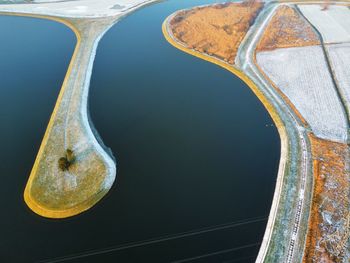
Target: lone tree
[
  {"x": 70, "y": 155},
  {"x": 65, "y": 162}
]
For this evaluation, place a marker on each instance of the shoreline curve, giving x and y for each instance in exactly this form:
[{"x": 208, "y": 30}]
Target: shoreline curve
[{"x": 272, "y": 111}]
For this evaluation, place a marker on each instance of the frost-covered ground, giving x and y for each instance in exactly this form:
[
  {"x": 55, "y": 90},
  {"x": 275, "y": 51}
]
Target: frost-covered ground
[
  {"x": 76, "y": 8},
  {"x": 339, "y": 55},
  {"x": 302, "y": 74},
  {"x": 51, "y": 191},
  {"x": 333, "y": 24}
]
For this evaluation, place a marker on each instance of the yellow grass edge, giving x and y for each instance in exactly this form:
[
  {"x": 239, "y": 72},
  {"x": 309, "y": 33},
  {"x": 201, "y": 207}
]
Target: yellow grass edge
[
  {"x": 275, "y": 117},
  {"x": 271, "y": 110},
  {"x": 31, "y": 203}
]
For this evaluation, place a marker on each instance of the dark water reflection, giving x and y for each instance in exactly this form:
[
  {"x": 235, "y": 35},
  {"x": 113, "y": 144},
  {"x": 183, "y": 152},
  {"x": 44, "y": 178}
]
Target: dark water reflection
[{"x": 190, "y": 139}]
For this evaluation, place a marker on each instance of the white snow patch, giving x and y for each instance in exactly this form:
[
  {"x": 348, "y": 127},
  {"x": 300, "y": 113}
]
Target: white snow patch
[
  {"x": 78, "y": 8},
  {"x": 302, "y": 75},
  {"x": 333, "y": 24},
  {"x": 339, "y": 55}
]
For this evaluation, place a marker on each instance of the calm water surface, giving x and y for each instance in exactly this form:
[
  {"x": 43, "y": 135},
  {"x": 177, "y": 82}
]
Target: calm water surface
[{"x": 195, "y": 149}]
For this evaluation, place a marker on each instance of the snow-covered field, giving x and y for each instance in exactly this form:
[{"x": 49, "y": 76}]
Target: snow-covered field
[
  {"x": 302, "y": 74},
  {"x": 339, "y": 55},
  {"x": 333, "y": 24},
  {"x": 77, "y": 8}
]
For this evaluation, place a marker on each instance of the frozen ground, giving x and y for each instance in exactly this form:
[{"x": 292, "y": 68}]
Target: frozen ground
[
  {"x": 77, "y": 8},
  {"x": 339, "y": 55},
  {"x": 52, "y": 191},
  {"x": 302, "y": 74},
  {"x": 333, "y": 24}
]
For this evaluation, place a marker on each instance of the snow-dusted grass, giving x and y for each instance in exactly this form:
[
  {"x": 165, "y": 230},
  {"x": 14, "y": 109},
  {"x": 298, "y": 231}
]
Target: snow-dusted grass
[
  {"x": 333, "y": 24},
  {"x": 339, "y": 55},
  {"x": 302, "y": 74},
  {"x": 77, "y": 8}
]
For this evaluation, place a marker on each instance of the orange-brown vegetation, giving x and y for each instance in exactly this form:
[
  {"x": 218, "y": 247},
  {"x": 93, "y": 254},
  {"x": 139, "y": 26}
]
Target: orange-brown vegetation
[
  {"x": 287, "y": 28},
  {"x": 216, "y": 30},
  {"x": 329, "y": 220}
]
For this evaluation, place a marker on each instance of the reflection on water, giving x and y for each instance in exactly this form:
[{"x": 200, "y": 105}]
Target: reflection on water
[{"x": 195, "y": 157}]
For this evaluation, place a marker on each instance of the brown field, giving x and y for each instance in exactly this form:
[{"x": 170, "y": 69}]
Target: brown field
[
  {"x": 216, "y": 30},
  {"x": 287, "y": 28},
  {"x": 329, "y": 223}
]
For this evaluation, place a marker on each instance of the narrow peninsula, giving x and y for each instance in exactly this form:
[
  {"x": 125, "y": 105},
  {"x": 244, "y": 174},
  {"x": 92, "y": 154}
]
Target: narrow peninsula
[{"x": 73, "y": 170}]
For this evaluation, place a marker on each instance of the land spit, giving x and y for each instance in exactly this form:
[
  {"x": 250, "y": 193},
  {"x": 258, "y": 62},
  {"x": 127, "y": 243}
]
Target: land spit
[
  {"x": 57, "y": 189},
  {"x": 297, "y": 228},
  {"x": 57, "y": 192}
]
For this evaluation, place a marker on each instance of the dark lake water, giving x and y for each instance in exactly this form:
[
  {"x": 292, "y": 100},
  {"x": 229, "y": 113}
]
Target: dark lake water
[{"x": 196, "y": 152}]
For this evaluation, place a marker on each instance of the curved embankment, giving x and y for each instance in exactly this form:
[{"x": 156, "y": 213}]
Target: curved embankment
[
  {"x": 280, "y": 238},
  {"x": 284, "y": 237},
  {"x": 298, "y": 176},
  {"x": 240, "y": 74},
  {"x": 73, "y": 170},
  {"x": 261, "y": 96}
]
